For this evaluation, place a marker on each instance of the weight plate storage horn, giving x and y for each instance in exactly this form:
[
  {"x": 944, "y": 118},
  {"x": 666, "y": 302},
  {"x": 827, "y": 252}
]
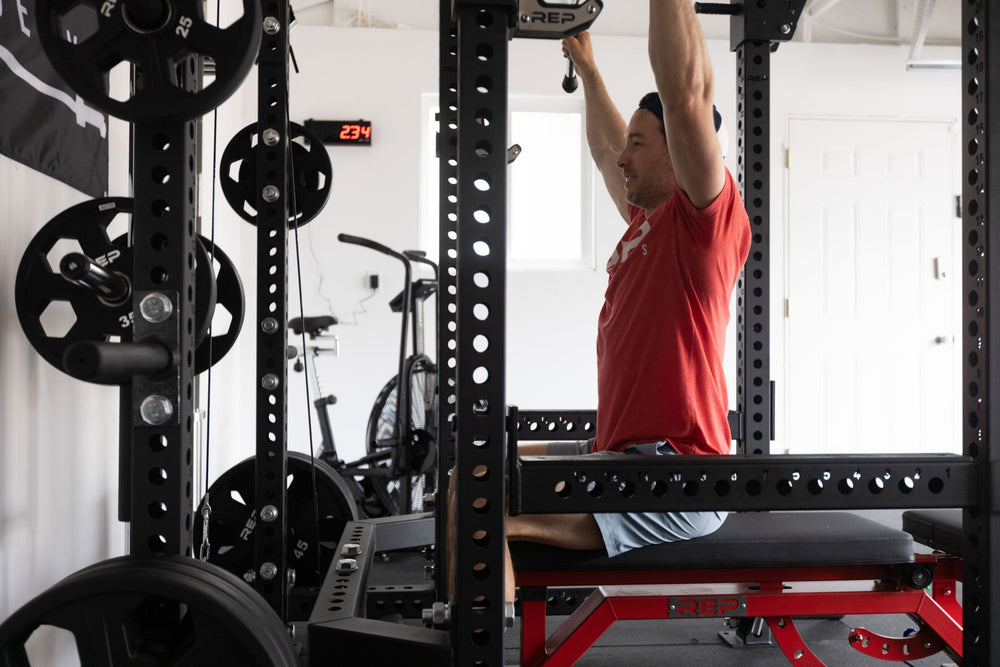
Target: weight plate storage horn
[
  {"x": 74, "y": 285},
  {"x": 234, "y": 518},
  {"x": 163, "y": 40},
  {"x": 168, "y": 610},
  {"x": 312, "y": 174}
]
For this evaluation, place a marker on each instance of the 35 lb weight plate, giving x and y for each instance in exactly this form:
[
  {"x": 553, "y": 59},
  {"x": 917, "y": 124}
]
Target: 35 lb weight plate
[
  {"x": 56, "y": 313},
  {"x": 161, "y": 39}
]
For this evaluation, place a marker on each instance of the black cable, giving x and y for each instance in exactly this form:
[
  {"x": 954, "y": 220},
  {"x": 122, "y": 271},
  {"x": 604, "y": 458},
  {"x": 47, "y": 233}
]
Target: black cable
[
  {"x": 293, "y": 206},
  {"x": 211, "y": 259}
]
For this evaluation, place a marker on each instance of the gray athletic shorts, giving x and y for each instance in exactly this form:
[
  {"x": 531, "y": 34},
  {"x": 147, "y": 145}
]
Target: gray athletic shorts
[{"x": 630, "y": 530}]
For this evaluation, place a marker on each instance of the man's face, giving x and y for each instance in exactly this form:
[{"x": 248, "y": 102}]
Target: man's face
[{"x": 645, "y": 162}]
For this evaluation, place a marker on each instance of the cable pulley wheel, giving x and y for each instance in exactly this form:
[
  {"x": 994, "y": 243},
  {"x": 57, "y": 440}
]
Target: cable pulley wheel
[
  {"x": 234, "y": 519},
  {"x": 165, "y": 42},
  {"x": 168, "y": 610},
  {"x": 311, "y": 174},
  {"x": 56, "y": 313}
]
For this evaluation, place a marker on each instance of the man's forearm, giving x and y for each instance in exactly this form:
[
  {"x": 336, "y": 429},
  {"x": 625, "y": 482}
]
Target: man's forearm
[{"x": 604, "y": 123}]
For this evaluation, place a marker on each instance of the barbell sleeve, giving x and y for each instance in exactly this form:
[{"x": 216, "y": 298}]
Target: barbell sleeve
[{"x": 80, "y": 270}]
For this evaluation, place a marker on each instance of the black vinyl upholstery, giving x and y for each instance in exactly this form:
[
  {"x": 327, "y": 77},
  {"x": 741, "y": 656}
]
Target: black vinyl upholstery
[
  {"x": 938, "y": 529},
  {"x": 751, "y": 539}
]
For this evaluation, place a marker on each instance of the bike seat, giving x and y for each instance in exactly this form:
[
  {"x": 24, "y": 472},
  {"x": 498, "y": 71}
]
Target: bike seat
[{"x": 313, "y": 326}]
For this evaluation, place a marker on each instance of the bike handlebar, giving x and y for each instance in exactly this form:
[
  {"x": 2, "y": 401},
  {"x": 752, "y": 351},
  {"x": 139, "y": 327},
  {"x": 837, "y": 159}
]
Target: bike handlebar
[{"x": 372, "y": 245}]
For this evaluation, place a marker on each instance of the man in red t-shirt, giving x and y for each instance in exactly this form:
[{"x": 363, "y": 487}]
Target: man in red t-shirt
[{"x": 661, "y": 332}]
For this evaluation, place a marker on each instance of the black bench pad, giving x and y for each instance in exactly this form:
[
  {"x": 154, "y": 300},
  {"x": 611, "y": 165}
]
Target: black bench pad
[
  {"x": 938, "y": 529},
  {"x": 752, "y": 539}
]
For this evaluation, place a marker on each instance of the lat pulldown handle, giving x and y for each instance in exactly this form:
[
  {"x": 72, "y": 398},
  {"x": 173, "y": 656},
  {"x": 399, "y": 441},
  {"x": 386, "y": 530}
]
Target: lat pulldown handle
[{"x": 570, "y": 82}]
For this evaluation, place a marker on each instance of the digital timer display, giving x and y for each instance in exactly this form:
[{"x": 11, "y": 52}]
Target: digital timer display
[{"x": 356, "y": 132}]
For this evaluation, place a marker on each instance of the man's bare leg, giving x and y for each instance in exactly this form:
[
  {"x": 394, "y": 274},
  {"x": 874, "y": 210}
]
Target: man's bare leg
[{"x": 568, "y": 531}]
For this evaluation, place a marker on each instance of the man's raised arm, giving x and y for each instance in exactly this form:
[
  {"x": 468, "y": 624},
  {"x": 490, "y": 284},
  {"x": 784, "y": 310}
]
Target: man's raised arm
[
  {"x": 683, "y": 72},
  {"x": 604, "y": 124}
]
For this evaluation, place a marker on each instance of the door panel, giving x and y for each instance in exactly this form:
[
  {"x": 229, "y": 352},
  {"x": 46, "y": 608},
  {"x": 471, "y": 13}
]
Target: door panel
[{"x": 871, "y": 363}]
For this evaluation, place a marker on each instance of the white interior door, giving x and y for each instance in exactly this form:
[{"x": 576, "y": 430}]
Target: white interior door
[{"x": 872, "y": 307}]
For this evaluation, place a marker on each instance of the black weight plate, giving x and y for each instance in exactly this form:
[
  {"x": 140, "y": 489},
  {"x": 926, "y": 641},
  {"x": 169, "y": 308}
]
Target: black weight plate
[
  {"x": 160, "y": 46},
  {"x": 229, "y": 296},
  {"x": 233, "y": 519},
  {"x": 135, "y": 611},
  {"x": 39, "y": 285},
  {"x": 311, "y": 174},
  {"x": 242, "y": 595}
]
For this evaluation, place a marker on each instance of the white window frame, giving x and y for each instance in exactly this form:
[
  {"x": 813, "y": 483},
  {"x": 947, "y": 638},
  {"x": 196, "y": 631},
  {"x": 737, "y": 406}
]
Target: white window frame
[{"x": 430, "y": 193}]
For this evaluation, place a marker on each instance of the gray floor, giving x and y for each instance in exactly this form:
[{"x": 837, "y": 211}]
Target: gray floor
[{"x": 697, "y": 642}]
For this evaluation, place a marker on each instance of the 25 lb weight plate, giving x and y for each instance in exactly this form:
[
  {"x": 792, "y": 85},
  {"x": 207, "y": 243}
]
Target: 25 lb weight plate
[
  {"x": 311, "y": 177},
  {"x": 160, "y": 39}
]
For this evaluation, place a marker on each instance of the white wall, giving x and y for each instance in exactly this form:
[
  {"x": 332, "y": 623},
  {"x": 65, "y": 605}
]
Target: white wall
[{"x": 59, "y": 439}]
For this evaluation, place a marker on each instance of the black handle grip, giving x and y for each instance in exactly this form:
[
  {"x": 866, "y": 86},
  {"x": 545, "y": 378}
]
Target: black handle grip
[
  {"x": 372, "y": 245},
  {"x": 93, "y": 360},
  {"x": 420, "y": 256},
  {"x": 570, "y": 82},
  {"x": 718, "y": 8},
  {"x": 80, "y": 270}
]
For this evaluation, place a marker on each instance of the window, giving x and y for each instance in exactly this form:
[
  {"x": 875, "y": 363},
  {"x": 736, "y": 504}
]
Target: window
[{"x": 550, "y": 186}]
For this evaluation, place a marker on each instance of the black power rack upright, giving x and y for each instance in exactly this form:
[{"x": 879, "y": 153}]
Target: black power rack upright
[{"x": 270, "y": 378}]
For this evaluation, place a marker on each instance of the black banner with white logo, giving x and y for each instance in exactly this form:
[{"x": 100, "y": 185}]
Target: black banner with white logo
[{"x": 43, "y": 123}]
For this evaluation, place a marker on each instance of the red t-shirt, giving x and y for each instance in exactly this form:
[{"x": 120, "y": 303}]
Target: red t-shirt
[{"x": 662, "y": 331}]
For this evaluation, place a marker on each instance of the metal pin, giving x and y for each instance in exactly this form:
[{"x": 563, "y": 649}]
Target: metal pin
[
  {"x": 270, "y": 193},
  {"x": 271, "y": 25},
  {"x": 156, "y": 410},
  {"x": 270, "y": 136},
  {"x": 156, "y": 308}
]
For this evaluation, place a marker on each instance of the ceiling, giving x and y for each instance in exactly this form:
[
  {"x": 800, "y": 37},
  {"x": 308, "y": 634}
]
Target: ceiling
[{"x": 915, "y": 23}]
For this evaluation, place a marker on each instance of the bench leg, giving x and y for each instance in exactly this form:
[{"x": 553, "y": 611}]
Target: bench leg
[
  {"x": 791, "y": 643},
  {"x": 532, "y": 630}
]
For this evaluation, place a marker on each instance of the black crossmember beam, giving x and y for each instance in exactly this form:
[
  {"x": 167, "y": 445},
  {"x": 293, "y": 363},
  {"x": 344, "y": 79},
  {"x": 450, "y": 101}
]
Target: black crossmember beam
[
  {"x": 587, "y": 484},
  {"x": 338, "y": 626}
]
